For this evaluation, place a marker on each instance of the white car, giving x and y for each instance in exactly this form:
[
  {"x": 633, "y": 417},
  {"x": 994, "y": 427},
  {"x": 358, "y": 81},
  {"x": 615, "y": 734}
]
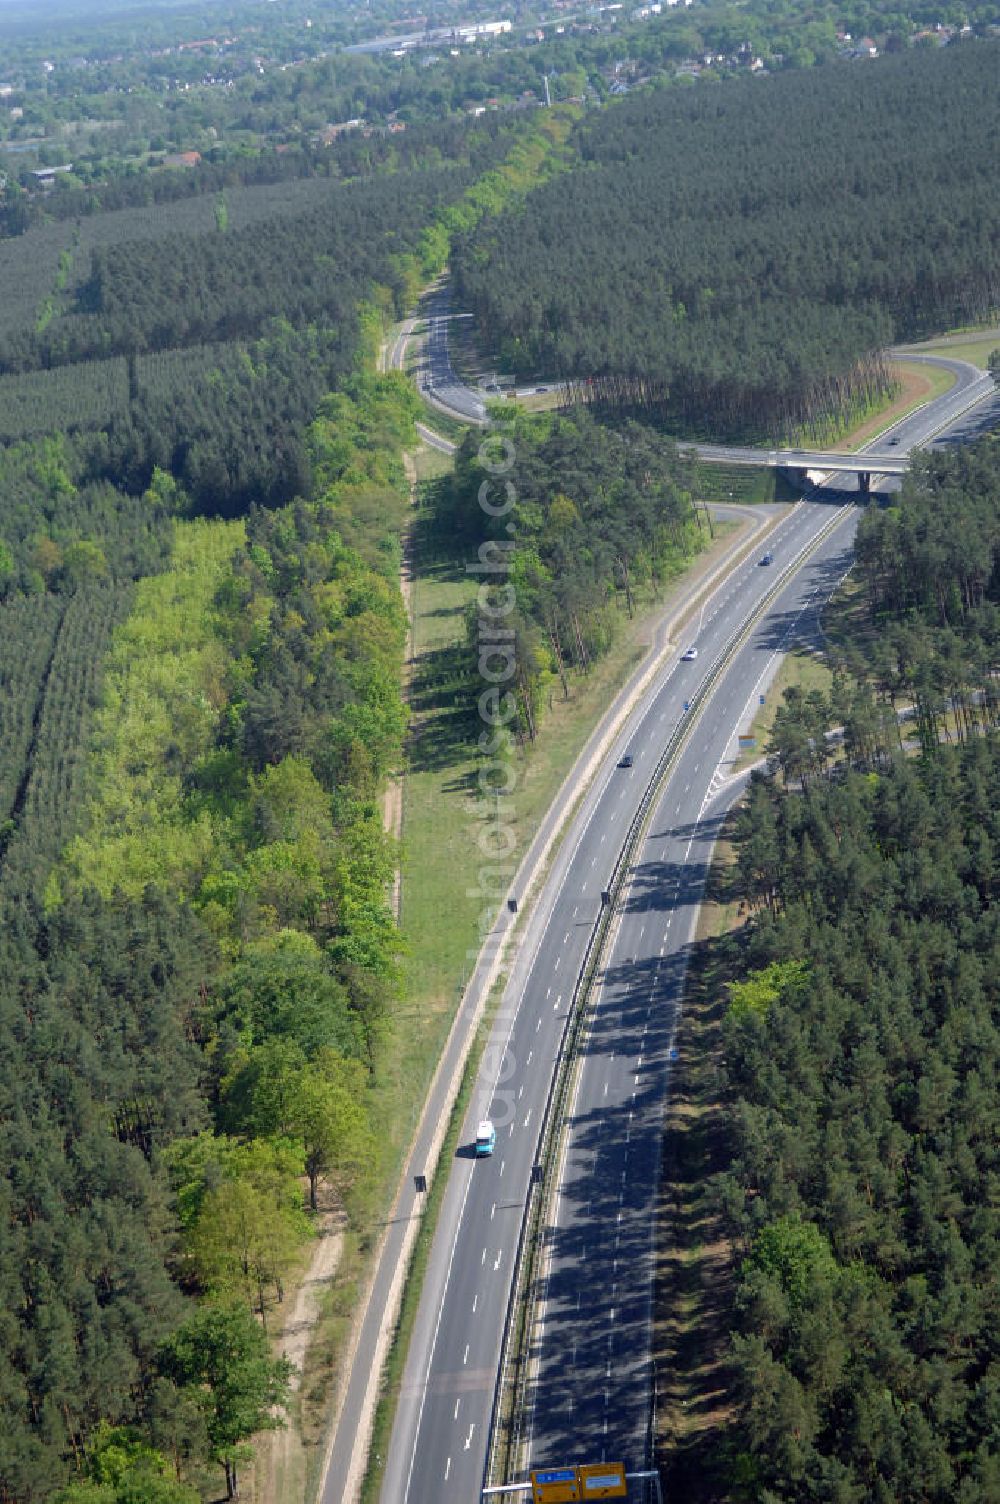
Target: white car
[{"x": 689, "y": 656}]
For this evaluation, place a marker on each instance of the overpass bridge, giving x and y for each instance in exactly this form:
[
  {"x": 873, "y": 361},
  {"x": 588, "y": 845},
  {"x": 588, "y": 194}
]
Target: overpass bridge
[{"x": 800, "y": 462}]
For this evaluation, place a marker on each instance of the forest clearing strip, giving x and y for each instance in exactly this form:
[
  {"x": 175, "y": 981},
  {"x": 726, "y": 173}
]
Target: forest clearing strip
[
  {"x": 13, "y": 818},
  {"x": 694, "y": 1266}
]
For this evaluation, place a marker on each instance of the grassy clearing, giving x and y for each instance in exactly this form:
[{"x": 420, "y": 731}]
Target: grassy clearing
[
  {"x": 935, "y": 382},
  {"x": 695, "y": 1267},
  {"x": 443, "y": 423},
  {"x": 800, "y": 669},
  {"x": 543, "y": 402},
  {"x": 431, "y": 464},
  {"x": 746, "y": 484},
  {"x": 964, "y": 345},
  {"x": 441, "y": 907},
  {"x": 976, "y": 351}
]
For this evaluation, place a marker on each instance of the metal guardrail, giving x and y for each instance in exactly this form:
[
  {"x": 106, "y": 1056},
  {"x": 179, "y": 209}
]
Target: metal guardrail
[{"x": 504, "y": 1441}]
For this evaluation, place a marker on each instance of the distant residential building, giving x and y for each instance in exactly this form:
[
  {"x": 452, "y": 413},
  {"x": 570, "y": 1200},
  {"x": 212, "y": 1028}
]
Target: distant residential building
[
  {"x": 482, "y": 29},
  {"x": 331, "y": 133},
  {"x": 46, "y": 176},
  {"x": 182, "y": 159}
]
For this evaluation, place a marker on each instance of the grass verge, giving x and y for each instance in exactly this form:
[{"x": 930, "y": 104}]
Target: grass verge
[
  {"x": 746, "y": 484},
  {"x": 968, "y": 345},
  {"x": 324, "y": 1354},
  {"x": 694, "y": 1266},
  {"x": 799, "y": 669},
  {"x": 441, "y": 901},
  {"x": 443, "y": 423},
  {"x": 392, "y": 1376}
]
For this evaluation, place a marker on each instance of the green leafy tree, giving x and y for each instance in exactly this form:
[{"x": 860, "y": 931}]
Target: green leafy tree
[
  {"x": 221, "y": 1355},
  {"x": 84, "y": 561},
  {"x": 330, "y": 1118},
  {"x": 242, "y": 1242},
  {"x": 123, "y": 1468}
]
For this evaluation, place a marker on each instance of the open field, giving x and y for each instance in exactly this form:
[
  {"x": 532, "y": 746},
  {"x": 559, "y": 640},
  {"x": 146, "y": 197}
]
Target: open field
[
  {"x": 799, "y": 669},
  {"x": 440, "y": 857},
  {"x": 966, "y": 344},
  {"x": 745, "y": 484}
]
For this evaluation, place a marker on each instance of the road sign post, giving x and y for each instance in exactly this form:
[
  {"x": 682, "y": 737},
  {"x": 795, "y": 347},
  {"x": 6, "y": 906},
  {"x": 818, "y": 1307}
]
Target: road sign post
[
  {"x": 602, "y": 1480},
  {"x": 606, "y": 1474},
  {"x": 555, "y": 1485}
]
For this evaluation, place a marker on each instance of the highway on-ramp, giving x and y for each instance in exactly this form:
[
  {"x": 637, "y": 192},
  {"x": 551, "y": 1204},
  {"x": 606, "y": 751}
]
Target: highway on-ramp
[{"x": 592, "y": 1398}]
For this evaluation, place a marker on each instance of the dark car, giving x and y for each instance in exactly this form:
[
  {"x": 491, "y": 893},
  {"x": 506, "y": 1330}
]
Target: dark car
[
  {"x": 894, "y": 440},
  {"x": 626, "y": 760},
  {"x": 767, "y": 559}
]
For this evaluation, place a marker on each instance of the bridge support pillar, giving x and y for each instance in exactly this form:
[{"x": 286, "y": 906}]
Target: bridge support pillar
[{"x": 865, "y": 483}]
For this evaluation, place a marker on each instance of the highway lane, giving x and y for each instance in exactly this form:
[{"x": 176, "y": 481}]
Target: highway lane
[
  {"x": 439, "y": 1444},
  {"x": 591, "y": 1399},
  {"x": 435, "y": 376}
]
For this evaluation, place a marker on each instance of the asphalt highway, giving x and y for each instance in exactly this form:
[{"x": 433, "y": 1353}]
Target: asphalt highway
[
  {"x": 591, "y": 1400},
  {"x": 435, "y": 376},
  {"x": 591, "y": 1397}
]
